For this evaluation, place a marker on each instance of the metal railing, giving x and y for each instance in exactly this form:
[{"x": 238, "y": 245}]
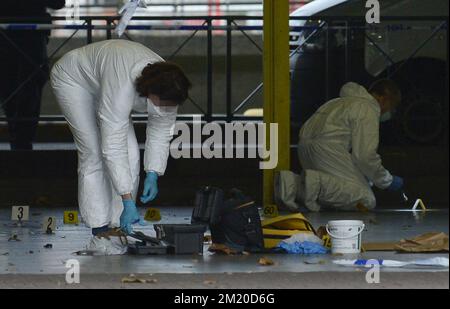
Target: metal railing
[
  {"x": 208, "y": 24},
  {"x": 181, "y": 6}
]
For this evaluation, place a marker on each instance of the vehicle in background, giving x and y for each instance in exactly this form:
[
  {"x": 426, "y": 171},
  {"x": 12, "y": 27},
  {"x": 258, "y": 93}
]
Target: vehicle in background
[{"x": 412, "y": 52}]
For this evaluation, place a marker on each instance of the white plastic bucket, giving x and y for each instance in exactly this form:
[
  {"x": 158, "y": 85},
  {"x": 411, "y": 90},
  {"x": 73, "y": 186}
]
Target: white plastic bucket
[{"x": 345, "y": 236}]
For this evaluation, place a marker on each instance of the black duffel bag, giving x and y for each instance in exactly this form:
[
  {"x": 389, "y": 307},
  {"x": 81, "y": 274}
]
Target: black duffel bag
[{"x": 233, "y": 220}]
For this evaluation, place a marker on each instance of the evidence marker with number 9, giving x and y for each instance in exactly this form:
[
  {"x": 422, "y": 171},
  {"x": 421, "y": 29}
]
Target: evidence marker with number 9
[{"x": 70, "y": 217}]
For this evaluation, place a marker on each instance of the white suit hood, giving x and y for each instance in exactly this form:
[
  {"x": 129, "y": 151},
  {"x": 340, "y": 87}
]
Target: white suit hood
[{"x": 354, "y": 90}]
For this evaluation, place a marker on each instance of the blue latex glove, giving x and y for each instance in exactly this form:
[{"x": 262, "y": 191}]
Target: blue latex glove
[
  {"x": 305, "y": 247},
  {"x": 150, "y": 187},
  {"x": 396, "y": 185},
  {"x": 130, "y": 216}
]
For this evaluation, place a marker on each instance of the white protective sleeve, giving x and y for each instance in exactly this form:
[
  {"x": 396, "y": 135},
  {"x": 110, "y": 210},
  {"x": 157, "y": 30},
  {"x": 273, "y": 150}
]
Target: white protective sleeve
[
  {"x": 116, "y": 103},
  {"x": 160, "y": 131},
  {"x": 365, "y": 140}
]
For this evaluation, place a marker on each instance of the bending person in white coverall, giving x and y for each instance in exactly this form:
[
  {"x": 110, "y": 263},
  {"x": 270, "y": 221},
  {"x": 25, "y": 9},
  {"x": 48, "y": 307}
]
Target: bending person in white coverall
[
  {"x": 97, "y": 87},
  {"x": 338, "y": 152}
]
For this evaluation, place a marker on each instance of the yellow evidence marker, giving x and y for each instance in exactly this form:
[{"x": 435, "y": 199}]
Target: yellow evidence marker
[
  {"x": 20, "y": 213},
  {"x": 71, "y": 217},
  {"x": 270, "y": 211},
  {"x": 152, "y": 214}
]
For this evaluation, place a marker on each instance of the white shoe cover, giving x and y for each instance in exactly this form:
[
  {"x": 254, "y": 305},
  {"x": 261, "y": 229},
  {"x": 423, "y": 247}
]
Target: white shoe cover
[
  {"x": 285, "y": 190},
  {"x": 104, "y": 246}
]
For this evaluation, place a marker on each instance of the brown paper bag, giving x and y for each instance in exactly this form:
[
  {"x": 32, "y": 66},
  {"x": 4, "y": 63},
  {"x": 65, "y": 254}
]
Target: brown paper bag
[{"x": 429, "y": 242}]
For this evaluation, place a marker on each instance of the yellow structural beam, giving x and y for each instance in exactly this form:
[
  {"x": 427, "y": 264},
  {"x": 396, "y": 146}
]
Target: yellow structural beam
[{"x": 276, "y": 85}]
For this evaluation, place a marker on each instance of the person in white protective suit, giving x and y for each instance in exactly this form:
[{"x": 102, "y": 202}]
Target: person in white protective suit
[
  {"x": 338, "y": 152},
  {"x": 97, "y": 87}
]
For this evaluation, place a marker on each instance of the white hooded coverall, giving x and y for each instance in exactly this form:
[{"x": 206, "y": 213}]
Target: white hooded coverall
[
  {"x": 338, "y": 153},
  {"x": 95, "y": 88}
]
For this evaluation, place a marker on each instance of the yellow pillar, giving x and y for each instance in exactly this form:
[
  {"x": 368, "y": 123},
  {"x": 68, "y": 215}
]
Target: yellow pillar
[{"x": 276, "y": 85}]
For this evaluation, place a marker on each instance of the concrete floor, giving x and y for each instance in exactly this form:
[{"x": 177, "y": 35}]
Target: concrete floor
[{"x": 28, "y": 264}]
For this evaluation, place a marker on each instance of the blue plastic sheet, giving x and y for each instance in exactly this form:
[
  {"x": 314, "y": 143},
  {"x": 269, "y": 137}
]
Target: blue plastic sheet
[{"x": 305, "y": 247}]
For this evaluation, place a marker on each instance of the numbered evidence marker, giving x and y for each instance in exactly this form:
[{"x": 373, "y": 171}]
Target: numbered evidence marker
[
  {"x": 270, "y": 211},
  {"x": 71, "y": 217},
  {"x": 152, "y": 214},
  {"x": 418, "y": 203},
  {"x": 49, "y": 225},
  {"x": 20, "y": 213}
]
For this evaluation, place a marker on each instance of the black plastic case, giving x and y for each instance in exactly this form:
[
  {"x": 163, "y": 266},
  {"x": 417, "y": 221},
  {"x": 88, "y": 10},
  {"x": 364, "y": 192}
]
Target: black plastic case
[
  {"x": 182, "y": 238},
  {"x": 147, "y": 245}
]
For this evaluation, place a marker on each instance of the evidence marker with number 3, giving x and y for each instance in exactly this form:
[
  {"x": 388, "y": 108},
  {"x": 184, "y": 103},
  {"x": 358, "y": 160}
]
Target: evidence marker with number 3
[
  {"x": 20, "y": 213},
  {"x": 70, "y": 217}
]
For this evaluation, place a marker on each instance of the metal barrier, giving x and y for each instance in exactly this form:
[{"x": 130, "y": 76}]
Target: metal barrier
[
  {"x": 180, "y": 5},
  {"x": 208, "y": 25}
]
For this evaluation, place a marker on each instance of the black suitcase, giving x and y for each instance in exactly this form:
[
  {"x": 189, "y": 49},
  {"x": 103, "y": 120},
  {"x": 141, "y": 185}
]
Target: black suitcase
[{"x": 208, "y": 203}]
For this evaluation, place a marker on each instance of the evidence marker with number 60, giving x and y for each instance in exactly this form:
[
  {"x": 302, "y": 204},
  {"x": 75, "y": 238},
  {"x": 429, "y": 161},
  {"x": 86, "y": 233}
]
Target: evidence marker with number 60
[
  {"x": 270, "y": 211},
  {"x": 70, "y": 217},
  {"x": 20, "y": 213}
]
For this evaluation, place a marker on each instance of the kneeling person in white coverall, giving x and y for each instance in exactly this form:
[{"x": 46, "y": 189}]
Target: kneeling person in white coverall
[
  {"x": 338, "y": 152},
  {"x": 97, "y": 87}
]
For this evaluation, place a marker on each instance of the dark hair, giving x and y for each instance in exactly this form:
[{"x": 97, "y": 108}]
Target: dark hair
[
  {"x": 387, "y": 87},
  {"x": 164, "y": 79}
]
